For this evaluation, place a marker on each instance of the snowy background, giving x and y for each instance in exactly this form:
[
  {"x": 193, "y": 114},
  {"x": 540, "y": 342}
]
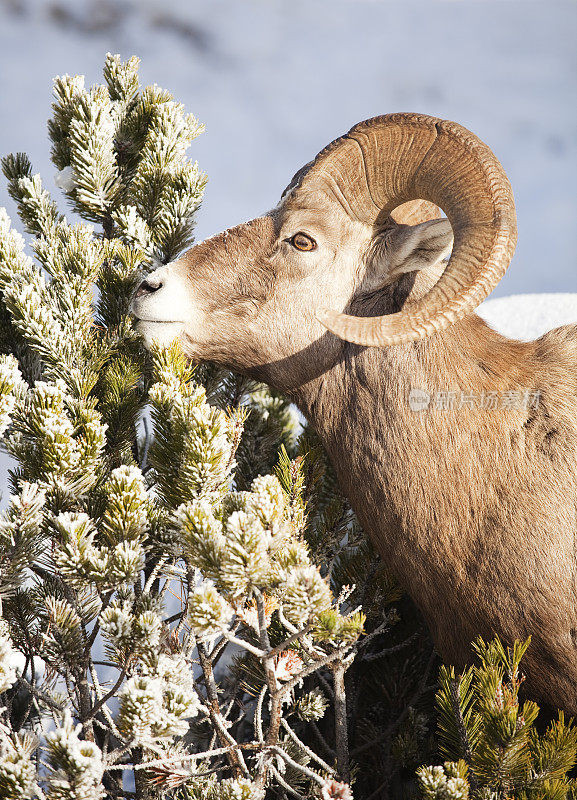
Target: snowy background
[{"x": 275, "y": 80}]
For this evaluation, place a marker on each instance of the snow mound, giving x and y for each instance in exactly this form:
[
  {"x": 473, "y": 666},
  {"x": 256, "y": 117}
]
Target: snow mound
[{"x": 528, "y": 316}]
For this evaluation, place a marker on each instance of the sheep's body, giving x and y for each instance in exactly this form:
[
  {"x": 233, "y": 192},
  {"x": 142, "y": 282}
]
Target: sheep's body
[{"x": 473, "y": 509}]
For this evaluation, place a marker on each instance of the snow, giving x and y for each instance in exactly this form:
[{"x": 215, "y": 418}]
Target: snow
[
  {"x": 275, "y": 80},
  {"x": 528, "y": 316}
]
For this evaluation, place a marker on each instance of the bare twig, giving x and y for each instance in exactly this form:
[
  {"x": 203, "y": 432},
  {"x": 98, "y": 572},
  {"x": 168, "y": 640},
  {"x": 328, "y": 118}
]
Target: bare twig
[
  {"x": 41, "y": 695},
  {"x": 310, "y": 668},
  {"x": 258, "y": 732},
  {"x": 389, "y": 650},
  {"x": 234, "y": 755},
  {"x": 271, "y": 737},
  {"x": 300, "y": 767},
  {"x": 286, "y": 786},
  {"x": 220, "y": 751},
  {"x": 99, "y": 697},
  {"x": 105, "y": 698},
  {"x": 295, "y": 637},
  {"x": 310, "y": 753},
  {"x": 341, "y": 727},
  {"x": 322, "y": 741},
  {"x": 153, "y": 575},
  {"x": 245, "y": 645}
]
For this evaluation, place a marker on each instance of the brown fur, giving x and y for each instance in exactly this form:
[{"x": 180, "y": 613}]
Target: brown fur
[{"x": 473, "y": 510}]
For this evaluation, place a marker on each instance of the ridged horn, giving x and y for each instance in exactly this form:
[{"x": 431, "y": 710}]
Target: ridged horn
[{"x": 390, "y": 160}]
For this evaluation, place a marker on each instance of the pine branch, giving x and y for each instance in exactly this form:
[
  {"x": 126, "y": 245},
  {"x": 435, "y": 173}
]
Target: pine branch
[{"x": 465, "y": 744}]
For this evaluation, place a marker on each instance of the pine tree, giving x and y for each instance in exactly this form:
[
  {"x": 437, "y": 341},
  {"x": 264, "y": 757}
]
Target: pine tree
[
  {"x": 165, "y": 627},
  {"x": 490, "y": 740}
]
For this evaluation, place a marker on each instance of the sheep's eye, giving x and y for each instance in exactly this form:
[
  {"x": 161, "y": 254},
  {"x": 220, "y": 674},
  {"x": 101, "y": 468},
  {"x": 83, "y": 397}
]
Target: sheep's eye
[{"x": 303, "y": 242}]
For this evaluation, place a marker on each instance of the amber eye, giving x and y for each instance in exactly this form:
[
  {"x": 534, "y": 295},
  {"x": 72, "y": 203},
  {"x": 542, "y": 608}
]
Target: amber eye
[{"x": 303, "y": 242}]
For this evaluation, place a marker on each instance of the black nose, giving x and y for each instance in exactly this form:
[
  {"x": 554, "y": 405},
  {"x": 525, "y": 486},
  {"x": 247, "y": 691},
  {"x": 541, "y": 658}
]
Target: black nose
[{"x": 148, "y": 287}]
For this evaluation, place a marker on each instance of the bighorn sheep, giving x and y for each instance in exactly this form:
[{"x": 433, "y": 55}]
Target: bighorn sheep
[{"x": 471, "y": 501}]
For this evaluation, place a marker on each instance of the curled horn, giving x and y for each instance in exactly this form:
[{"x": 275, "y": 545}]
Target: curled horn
[{"x": 387, "y": 161}]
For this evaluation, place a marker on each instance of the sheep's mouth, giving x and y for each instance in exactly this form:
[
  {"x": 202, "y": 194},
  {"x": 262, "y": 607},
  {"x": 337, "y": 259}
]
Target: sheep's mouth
[{"x": 158, "y": 331}]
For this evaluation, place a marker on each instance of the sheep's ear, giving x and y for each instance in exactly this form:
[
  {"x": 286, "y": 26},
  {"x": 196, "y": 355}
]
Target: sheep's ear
[
  {"x": 417, "y": 247},
  {"x": 408, "y": 248}
]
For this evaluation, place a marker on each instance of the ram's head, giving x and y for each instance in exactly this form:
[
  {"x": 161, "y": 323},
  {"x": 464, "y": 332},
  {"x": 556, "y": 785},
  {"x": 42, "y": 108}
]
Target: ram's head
[{"x": 350, "y": 225}]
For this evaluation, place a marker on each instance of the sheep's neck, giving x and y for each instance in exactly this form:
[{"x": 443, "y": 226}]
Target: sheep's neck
[{"x": 414, "y": 477}]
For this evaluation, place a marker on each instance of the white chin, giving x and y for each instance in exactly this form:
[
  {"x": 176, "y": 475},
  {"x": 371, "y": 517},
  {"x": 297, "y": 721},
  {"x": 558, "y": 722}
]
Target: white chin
[{"x": 159, "y": 333}]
